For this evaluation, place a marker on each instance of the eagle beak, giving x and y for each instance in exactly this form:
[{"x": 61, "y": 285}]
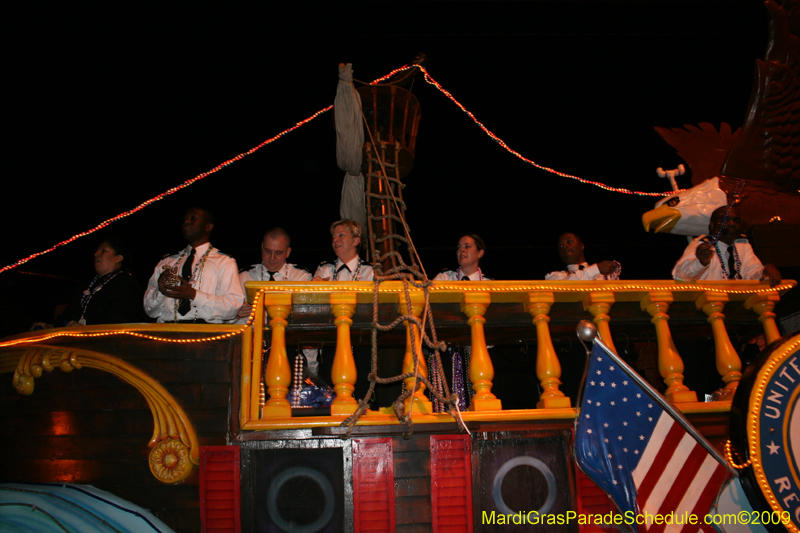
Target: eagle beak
[{"x": 662, "y": 219}]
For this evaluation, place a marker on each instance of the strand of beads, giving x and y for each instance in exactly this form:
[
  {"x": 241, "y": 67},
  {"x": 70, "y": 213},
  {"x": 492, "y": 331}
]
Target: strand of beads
[
  {"x": 436, "y": 384},
  {"x": 297, "y": 379},
  {"x": 88, "y": 293},
  {"x": 736, "y": 262},
  {"x": 459, "y": 386}
]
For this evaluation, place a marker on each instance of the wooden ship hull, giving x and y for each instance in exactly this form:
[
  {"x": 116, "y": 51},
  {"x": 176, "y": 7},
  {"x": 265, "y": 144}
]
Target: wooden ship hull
[{"x": 193, "y": 422}]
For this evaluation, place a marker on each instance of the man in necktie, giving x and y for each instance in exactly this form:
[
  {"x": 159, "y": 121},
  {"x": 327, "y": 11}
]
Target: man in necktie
[
  {"x": 198, "y": 284},
  {"x": 723, "y": 254},
  {"x": 275, "y": 250},
  {"x": 570, "y": 250}
]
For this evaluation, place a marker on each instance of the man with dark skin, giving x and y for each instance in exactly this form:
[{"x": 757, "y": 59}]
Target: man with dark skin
[
  {"x": 570, "y": 250},
  {"x": 723, "y": 254},
  {"x": 198, "y": 284}
]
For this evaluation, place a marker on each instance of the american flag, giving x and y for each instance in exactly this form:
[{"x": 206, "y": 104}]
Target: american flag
[{"x": 636, "y": 451}]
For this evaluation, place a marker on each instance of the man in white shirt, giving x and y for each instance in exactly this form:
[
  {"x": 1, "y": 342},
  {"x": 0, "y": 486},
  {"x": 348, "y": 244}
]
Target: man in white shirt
[
  {"x": 198, "y": 284},
  {"x": 723, "y": 254},
  {"x": 275, "y": 250},
  {"x": 348, "y": 265},
  {"x": 570, "y": 250}
]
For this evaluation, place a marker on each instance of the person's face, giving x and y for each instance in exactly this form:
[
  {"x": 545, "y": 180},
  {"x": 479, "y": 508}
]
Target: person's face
[
  {"x": 195, "y": 225},
  {"x": 570, "y": 249},
  {"x": 345, "y": 246},
  {"x": 467, "y": 253},
  {"x": 274, "y": 252},
  {"x": 732, "y": 227},
  {"x": 106, "y": 260}
]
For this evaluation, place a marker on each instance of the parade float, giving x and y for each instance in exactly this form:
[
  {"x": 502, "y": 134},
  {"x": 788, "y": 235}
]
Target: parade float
[{"x": 196, "y": 422}]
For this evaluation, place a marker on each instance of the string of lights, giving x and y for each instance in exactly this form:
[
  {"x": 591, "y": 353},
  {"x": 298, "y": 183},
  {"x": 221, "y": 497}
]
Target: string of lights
[
  {"x": 168, "y": 192},
  {"x": 428, "y": 78},
  {"x": 516, "y": 154},
  {"x": 228, "y": 335}
]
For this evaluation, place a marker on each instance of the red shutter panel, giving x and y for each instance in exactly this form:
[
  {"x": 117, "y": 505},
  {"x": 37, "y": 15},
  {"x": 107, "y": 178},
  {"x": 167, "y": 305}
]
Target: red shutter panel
[
  {"x": 373, "y": 485},
  {"x": 592, "y": 501},
  {"x": 220, "y": 506},
  {"x": 451, "y": 483}
]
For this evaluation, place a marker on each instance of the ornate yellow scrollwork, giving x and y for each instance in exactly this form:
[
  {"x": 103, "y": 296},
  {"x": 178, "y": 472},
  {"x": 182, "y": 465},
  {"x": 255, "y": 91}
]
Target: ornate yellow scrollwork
[
  {"x": 169, "y": 461},
  {"x": 174, "y": 442}
]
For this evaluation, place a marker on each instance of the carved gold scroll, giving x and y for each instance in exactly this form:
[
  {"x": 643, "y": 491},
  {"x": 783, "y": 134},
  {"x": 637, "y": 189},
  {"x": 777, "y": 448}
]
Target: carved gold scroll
[{"x": 174, "y": 447}]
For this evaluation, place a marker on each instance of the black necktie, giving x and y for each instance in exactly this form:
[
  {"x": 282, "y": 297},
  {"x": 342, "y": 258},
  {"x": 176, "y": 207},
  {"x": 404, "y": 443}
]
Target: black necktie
[
  {"x": 731, "y": 263},
  {"x": 186, "y": 268},
  {"x": 186, "y": 273},
  {"x": 272, "y": 274},
  {"x": 464, "y": 278},
  {"x": 581, "y": 267}
]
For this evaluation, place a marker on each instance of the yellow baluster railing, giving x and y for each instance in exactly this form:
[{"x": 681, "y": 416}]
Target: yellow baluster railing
[
  {"x": 548, "y": 368},
  {"x": 343, "y": 375},
  {"x": 421, "y": 404},
  {"x": 764, "y": 306},
  {"x": 481, "y": 370},
  {"x": 279, "y": 373},
  {"x": 599, "y": 304},
  {"x": 670, "y": 364},
  {"x": 729, "y": 365}
]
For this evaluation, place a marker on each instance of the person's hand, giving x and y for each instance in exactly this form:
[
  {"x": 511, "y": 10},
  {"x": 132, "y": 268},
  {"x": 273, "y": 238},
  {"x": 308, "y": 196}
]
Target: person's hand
[
  {"x": 165, "y": 282},
  {"x": 244, "y": 311},
  {"x": 704, "y": 253},
  {"x": 36, "y": 326},
  {"x": 317, "y": 278},
  {"x": 184, "y": 291},
  {"x": 771, "y": 273},
  {"x": 607, "y": 268},
  {"x": 73, "y": 323}
]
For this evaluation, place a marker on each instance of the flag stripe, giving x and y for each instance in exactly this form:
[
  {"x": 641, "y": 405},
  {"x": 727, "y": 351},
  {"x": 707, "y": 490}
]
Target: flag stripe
[
  {"x": 691, "y": 473},
  {"x": 665, "y": 422},
  {"x": 653, "y": 501},
  {"x": 665, "y": 451},
  {"x": 710, "y": 492}
]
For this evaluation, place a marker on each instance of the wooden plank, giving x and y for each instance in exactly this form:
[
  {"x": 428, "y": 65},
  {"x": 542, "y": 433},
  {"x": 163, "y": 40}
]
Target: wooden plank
[
  {"x": 414, "y": 510},
  {"x": 412, "y": 465},
  {"x": 412, "y": 487}
]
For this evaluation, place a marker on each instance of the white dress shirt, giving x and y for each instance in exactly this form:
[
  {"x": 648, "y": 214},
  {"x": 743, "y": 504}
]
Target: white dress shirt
[{"x": 219, "y": 291}]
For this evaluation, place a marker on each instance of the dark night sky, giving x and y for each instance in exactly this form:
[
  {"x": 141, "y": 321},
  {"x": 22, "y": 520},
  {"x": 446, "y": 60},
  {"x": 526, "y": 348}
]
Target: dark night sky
[{"x": 110, "y": 108}]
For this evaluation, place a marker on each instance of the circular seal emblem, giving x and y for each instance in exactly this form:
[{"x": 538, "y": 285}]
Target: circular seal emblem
[{"x": 765, "y": 431}]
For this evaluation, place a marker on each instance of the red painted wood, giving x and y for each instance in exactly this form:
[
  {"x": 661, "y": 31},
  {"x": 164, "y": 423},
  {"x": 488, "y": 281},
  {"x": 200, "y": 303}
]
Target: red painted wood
[
  {"x": 373, "y": 485},
  {"x": 592, "y": 501},
  {"x": 220, "y": 504},
  {"x": 451, "y": 483}
]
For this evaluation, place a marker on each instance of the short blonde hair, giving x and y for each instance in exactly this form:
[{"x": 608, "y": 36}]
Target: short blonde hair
[{"x": 352, "y": 225}]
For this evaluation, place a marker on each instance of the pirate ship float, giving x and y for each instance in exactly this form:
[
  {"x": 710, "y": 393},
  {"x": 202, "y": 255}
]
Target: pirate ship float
[{"x": 205, "y": 406}]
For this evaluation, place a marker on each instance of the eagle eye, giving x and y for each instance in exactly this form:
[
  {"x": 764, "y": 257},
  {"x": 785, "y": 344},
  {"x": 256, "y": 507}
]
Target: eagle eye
[{"x": 672, "y": 202}]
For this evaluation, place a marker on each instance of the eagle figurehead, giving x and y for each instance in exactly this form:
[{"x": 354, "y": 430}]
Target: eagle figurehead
[
  {"x": 686, "y": 212},
  {"x": 758, "y": 164}
]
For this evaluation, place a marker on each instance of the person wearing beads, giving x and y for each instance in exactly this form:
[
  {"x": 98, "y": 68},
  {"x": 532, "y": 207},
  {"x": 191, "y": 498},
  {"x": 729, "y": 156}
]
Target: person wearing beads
[
  {"x": 723, "y": 254},
  {"x": 275, "y": 250},
  {"x": 348, "y": 265},
  {"x": 113, "y": 296},
  {"x": 469, "y": 252},
  {"x": 198, "y": 284},
  {"x": 570, "y": 250}
]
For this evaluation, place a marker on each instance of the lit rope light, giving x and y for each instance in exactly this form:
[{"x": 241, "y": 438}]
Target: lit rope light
[
  {"x": 169, "y": 192},
  {"x": 144, "y": 335},
  {"x": 516, "y": 154}
]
